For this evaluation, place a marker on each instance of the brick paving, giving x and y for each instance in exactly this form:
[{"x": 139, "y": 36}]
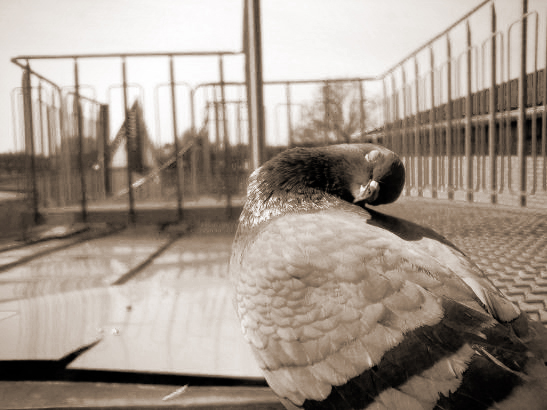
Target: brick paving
[{"x": 508, "y": 244}]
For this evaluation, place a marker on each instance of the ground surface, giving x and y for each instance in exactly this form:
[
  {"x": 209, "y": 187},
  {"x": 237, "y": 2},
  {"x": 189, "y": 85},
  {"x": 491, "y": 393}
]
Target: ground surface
[{"x": 150, "y": 300}]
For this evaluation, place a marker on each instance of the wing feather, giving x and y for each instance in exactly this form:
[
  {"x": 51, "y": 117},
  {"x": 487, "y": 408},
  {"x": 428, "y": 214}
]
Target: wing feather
[{"x": 347, "y": 306}]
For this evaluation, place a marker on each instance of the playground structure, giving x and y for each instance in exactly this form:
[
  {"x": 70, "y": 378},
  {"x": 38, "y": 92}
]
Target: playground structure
[{"x": 468, "y": 118}]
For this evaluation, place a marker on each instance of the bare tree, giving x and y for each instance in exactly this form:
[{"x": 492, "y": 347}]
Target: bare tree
[{"x": 333, "y": 117}]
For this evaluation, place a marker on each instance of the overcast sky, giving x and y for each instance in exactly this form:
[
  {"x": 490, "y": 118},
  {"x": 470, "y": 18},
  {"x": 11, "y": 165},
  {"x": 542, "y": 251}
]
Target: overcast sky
[{"x": 301, "y": 38}]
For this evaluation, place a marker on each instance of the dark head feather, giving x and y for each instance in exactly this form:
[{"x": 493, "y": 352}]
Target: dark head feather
[{"x": 302, "y": 179}]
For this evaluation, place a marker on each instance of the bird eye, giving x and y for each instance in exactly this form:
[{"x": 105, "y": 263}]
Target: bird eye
[{"x": 372, "y": 155}]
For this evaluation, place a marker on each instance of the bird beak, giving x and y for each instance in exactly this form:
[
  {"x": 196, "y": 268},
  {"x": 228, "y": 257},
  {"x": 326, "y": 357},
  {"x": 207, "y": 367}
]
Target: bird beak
[{"x": 367, "y": 193}]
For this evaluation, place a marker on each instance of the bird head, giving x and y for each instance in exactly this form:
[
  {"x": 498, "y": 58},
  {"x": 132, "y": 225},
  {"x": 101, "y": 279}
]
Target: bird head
[
  {"x": 357, "y": 173},
  {"x": 377, "y": 177}
]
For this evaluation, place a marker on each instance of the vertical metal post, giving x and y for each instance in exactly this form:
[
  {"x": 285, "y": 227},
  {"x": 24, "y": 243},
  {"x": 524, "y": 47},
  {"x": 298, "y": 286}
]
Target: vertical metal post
[
  {"x": 178, "y": 161},
  {"x": 386, "y": 113},
  {"x": 432, "y": 127},
  {"x": 216, "y": 146},
  {"x": 449, "y": 115},
  {"x": 534, "y": 112},
  {"x": 53, "y": 160},
  {"x": 103, "y": 136},
  {"x": 362, "y": 113},
  {"x": 29, "y": 140},
  {"x": 226, "y": 140},
  {"x": 521, "y": 124},
  {"x": 79, "y": 128},
  {"x": 417, "y": 145},
  {"x": 41, "y": 120},
  {"x": 252, "y": 46},
  {"x": 492, "y": 116},
  {"x": 193, "y": 152},
  {"x": 394, "y": 114},
  {"x": 544, "y": 126},
  {"x": 468, "y": 115},
  {"x": 131, "y": 194},
  {"x": 405, "y": 150},
  {"x": 326, "y": 97},
  {"x": 206, "y": 146},
  {"x": 289, "y": 117}
]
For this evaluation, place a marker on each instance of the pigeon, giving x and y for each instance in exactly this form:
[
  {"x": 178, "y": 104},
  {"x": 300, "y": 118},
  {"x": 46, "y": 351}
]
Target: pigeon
[{"x": 345, "y": 307}]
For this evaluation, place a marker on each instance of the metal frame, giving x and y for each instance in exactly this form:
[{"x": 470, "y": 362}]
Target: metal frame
[{"x": 416, "y": 113}]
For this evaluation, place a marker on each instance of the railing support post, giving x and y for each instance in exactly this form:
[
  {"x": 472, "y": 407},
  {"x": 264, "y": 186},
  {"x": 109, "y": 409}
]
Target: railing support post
[
  {"x": 386, "y": 113},
  {"x": 492, "y": 111},
  {"x": 468, "y": 121},
  {"x": 178, "y": 160},
  {"x": 79, "y": 128},
  {"x": 227, "y": 154},
  {"x": 252, "y": 45},
  {"x": 405, "y": 150},
  {"x": 417, "y": 145},
  {"x": 193, "y": 149},
  {"x": 432, "y": 152},
  {"x": 289, "y": 117},
  {"x": 521, "y": 125},
  {"x": 326, "y": 114},
  {"x": 29, "y": 141},
  {"x": 131, "y": 196},
  {"x": 449, "y": 102},
  {"x": 103, "y": 137},
  {"x": 362, "y": 114}
]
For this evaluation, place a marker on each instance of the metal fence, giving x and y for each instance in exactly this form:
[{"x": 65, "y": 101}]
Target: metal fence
[
  {"x": 468, "y": 118},
  {"x": 473, "y": 124}
]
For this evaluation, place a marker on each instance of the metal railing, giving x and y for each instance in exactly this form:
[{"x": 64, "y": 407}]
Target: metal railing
[
  {"x": 464, "y": 123},
  {"x": 67, "y": 141},
  {"x": 467, "y": 124}
]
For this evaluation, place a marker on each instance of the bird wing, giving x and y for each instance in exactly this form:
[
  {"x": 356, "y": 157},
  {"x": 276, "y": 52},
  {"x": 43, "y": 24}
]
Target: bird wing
[
  {"x": 342, "y": 313},
  {"x": 445, "y": 253}
]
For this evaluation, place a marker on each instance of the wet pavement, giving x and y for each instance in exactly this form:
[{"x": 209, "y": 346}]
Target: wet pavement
[
  {"x": 159, "y": 302},
  {"x": 171, "y": 313}
]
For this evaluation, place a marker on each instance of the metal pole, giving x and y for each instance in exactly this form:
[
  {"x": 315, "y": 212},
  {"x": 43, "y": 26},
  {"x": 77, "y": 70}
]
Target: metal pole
[
  {"x": 417, "y": 145},
  {"x": 362, "y": 113},
  {"x": 41, "y": 120},
  {"x": 79, "y": 128},
  {"x": 534, "y": 112},
  {"x": 289, "y": 118},
  {"x": 29, "y": 140},
  {"x": 394, "y": 115},
  {"x": 132, "y": 214},
  {"x": 432, "y": 128},
  {"x": 468, "y": 124},
  {"x": 194, "y": 151},
  {"x": 386, "y": 112},
  {"x": 53, "y": 160},
  {"x": 405, "y": 150},
  {"x": 206, "y": 144},
  {"x": 521, "y": 124},
  {"x": 544, "y": 126},
  {"x": 252, "y": 45},
  {"x": 492, "y": 116},
  {"x": 326, "y": 111},
  {"x": 227, "y": 153},
  {"x": 449, "y": 115},
  {"x": 103, "y": 135},
  {"x": 178, "y": 161},
  {"x": 216, "y": 145}
]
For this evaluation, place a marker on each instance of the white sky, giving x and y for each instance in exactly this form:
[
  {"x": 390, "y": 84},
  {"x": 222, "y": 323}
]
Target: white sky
[{"x": 301, "y": 38}]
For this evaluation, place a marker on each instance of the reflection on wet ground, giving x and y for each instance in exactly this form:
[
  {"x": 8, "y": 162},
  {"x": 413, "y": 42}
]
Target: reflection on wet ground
[{"x": 173, "y": 316}]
